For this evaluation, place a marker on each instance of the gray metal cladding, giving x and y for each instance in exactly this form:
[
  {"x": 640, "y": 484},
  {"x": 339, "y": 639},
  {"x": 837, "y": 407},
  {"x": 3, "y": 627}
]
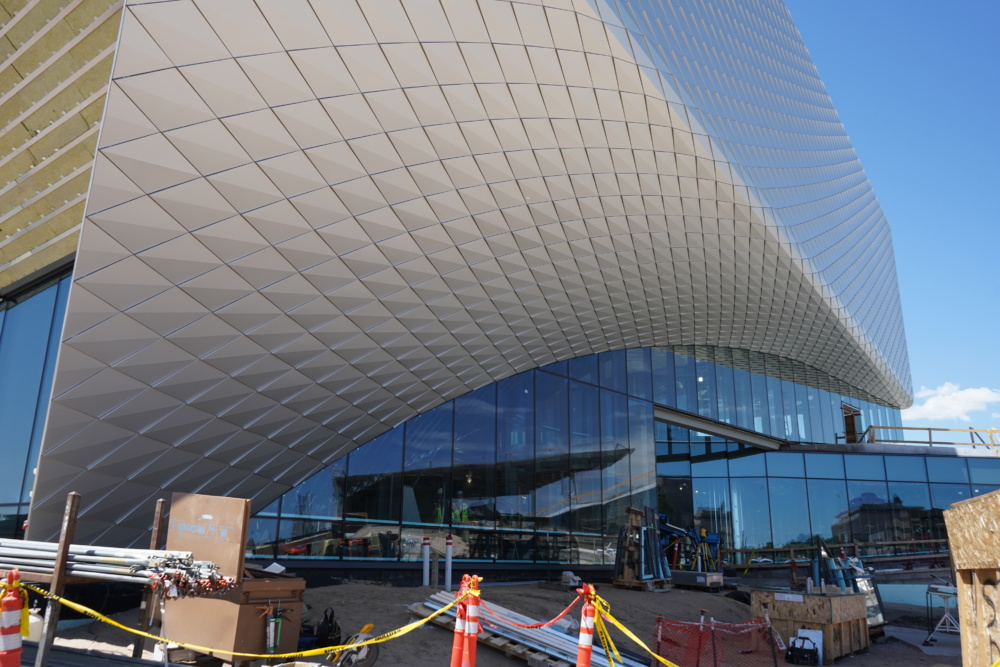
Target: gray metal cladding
[{"x": 311, "y": 221}]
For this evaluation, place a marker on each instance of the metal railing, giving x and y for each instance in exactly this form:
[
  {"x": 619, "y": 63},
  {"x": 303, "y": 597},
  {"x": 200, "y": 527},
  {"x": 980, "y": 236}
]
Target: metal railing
[
  {"x": 896, "y": 435},
  {"x": 887, "y": 551}
]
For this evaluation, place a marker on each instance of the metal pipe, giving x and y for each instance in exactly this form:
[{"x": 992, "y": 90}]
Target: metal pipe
[{"x": 107, "y": 552}]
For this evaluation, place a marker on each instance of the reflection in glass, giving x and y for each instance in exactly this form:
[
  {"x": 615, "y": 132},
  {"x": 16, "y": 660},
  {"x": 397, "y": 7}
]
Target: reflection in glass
[
  {"x": 942, "y": 497},
  {"x": 948, "y": 470},
  {"x": 751, "y": 520},
  {"x": 906, "y": 468},
  {"x": 711, "y": 507},
  {"x": 872, "y": 515},
  {"x": 789, "y": 512},
  {"x": 864, "y": 466},
  {"x": 824, "y": 466},
  {"x": 984, "y": 471},
  {"x": 785, "y": 464},
  {"x": 911, "y": 504},
  {"x": 828, "y": 510}
]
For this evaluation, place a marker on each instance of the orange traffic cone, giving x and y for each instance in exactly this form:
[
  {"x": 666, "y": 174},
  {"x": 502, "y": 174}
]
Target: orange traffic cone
[{"x": 10, "y": 621}]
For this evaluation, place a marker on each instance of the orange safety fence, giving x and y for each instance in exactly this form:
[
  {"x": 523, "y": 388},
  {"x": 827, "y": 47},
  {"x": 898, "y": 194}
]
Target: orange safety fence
[{"x": 713, "y": 644}]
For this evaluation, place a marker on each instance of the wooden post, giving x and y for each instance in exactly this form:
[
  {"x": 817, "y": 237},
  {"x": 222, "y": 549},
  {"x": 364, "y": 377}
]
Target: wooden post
[
  {"x": 58, "y": 578},
  {"x": 146, "y": 610},
  {"x": 975, "y": 549}
]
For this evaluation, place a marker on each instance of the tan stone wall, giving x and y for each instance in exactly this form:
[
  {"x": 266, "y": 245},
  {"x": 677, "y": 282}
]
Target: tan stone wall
[{"x": 55, "y": 64}]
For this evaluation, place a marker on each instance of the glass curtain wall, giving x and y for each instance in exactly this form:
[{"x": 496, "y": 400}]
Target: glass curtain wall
[
  {"x": 540, "y": 466},
  {"x": 29, "y": 341}
]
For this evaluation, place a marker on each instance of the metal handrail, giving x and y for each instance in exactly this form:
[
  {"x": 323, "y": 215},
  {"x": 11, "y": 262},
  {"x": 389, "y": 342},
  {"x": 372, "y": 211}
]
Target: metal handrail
[{"x": 988, "y": 437}]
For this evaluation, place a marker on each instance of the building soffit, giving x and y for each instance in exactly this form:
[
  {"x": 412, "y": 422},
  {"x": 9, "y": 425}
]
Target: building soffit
[{"x": 305, "y": 229}]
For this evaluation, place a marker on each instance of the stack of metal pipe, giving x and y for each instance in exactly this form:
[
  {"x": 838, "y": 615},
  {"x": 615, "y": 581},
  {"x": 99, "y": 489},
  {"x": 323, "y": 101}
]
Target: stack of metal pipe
[{"x": 170, "y": 573}]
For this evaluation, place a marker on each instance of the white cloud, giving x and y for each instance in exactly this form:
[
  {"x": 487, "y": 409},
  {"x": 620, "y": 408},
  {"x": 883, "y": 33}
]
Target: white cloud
[{"x": 951, "y": 402}]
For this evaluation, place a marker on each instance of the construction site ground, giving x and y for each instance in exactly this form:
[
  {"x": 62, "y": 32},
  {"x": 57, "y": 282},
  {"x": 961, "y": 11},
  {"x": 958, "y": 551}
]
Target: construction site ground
[{"x": 358, "y": 603}]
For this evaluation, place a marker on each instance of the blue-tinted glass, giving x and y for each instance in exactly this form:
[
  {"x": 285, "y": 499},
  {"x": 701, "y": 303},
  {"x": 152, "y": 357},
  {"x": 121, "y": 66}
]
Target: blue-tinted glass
[
  {"x": 585, "y": 458},
  {"x": 675, "y": 500},
  {"x": 643, "y": 468},
  {"x": 640, "y": 376},
  {"x": 785, "y": 464},
  {"x": 871, "y": 512},
  {"x": 944, "y": 495},
  {"x": 943, "y": 469},
  {"x": 984, "y": 471},
  {"x": 613, "y": 370},
  {"x": 23, "y": 351},
  {"x": 429, "y": 438},
  {"x": 761, "y": 409},
  {"x": 664, "y": 389},
  {"x": 977, "y": 489},
  {"x": 584, "y": 369},
  {"x": 319, "y": 497},
  {"x": 749, "y": 464},
  {"x": 711, "y": 506},
  {"x": 551, "y": 414},
  {"x": 476, "y": 426},
  {"x": 515, "y": 418},
  {"x": 911, "y": 504},
  {"x": 558, "y": 368},
  {"x": 906, "y": 468},
  {"x": 776, "y": 418},
  {"x": 371, "y": 491},
  {"x": 750, "y": 517},
  {"x": 262, "y": 537},
  {"x": 48, "y": 373},
  {"x": 686, "y": 380},
  {"x": 829, "y": 429},
  {"x": 744, "y": 398},
  {"x": 791, "y": 419},
  {"x": 725, "y": 390},
  {"x": 707, "y": 397},
  {"x": 709, "y": 466},
  {"x": 864, "y": 466},
  {"x": 789, "y": 511},
  {"x": 678, "y": 468},
  {"x": 824, "y": 466},
  {"x": 615, "y": 452},
  {"x": 828, "y": 510},
  {"x": 802, "y": 416},
  {"x": 816, "y": 433}
]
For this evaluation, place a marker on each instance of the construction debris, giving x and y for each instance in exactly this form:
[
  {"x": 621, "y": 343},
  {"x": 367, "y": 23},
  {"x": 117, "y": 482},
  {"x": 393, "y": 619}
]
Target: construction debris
[{"x": 639, "y": 561}]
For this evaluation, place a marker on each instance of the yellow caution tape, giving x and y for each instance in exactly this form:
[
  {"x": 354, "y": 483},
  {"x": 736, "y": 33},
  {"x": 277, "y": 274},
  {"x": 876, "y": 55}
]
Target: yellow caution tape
[
  {"x": 205, "y": 649},
  {"x": 604, "y": 611}
]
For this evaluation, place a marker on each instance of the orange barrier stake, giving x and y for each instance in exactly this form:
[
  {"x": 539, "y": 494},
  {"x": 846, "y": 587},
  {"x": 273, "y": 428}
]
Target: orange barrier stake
[
  {"x": 10, "y": 622},
  {"x": 585, "y": 646},
  {"x": 472, "y": 623},
  {"x": 458, "y": 645}
]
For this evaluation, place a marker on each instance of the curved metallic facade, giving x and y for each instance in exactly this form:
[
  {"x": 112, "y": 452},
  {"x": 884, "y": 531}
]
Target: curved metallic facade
[{"x": 309, "y": 222}]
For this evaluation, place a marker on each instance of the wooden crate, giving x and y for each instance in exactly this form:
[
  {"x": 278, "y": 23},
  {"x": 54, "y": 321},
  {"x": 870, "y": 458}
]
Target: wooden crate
[
  {"x": 975, "y": 554},
  {"x": 842, "y": 618}
]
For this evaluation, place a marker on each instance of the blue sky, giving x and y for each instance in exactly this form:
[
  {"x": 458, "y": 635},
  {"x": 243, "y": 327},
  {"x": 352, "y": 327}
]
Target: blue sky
[{"x": 917, "y": 85}]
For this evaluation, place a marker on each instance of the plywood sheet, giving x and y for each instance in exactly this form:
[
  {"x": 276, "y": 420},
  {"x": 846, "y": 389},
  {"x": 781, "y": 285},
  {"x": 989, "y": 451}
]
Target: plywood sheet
[
  {"x": 972, "y": 532},
  {"x": 213, "y": 528}
]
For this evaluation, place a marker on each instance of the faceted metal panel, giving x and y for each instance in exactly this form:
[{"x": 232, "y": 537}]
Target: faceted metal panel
[{"x": 311, "y": 221}]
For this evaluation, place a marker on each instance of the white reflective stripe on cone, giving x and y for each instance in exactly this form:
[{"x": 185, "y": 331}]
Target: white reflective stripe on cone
[
  {"x": 9, "y": 619},
  {"x": 10, "y": 642}
]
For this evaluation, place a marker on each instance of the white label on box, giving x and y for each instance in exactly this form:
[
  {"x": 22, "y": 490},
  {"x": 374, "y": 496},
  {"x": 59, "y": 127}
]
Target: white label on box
[{"x": 788, "y": 597}]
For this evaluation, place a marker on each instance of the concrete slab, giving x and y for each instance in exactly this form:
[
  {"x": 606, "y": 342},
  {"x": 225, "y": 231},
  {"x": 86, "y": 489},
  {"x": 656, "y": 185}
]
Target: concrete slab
[{"x": 945, "y": 644}]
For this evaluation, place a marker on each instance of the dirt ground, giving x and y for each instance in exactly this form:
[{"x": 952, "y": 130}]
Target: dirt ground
[{"x": 357, "y": 603}]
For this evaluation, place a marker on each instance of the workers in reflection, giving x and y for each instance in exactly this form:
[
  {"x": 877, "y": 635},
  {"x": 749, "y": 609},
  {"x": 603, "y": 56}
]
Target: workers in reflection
[{"x": 459, "y": 509}]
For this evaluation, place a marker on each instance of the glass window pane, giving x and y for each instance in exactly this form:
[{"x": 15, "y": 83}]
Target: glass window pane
[
  {"x": 319, "y": 497},
  {"x": 305, "y": 538},
  {"x": 372, "y": 492},
  {"x": 585, "y": 458},
  {"x": 984, "y": 471},
  {"x": 515, "y": 418},
  {"x": 664, "y": 390},
  {"x": 584, "y": 369},
  {"x": 643, "y": 458},
  {"x": 613, "y": 373},
  {"x": 476, "y": 427},
  {"x": 911, "y": 504},
  {"x": 711, "y": 507},
  {"x": 871, "y": 512},
  {"x": 828, "y": 510},
  {"x": 751, "y": 520},
  {"x": 824, "y": 466},
  {"x": 747, "y": 463},
  {"x": 785, "y": 464},
  {"x": 864, "y": 466},
  {"x": 906, "y": 468},
  {"x": 789, "y": 515},
  {"x": 944, "y": 469},
  {"x": 686, "y": 380},
  {"x": 744, "y": 398},
  {"x": 639, "y": 373},
  {"x": 615, "y": 453},
  {"x": 676, "y": 501},
  {"x": 942, "y": 497},
  {"x": 707, "y": 398},
  {"x": 552, "y": 415},
  {"x": 428, "y": 439}
]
